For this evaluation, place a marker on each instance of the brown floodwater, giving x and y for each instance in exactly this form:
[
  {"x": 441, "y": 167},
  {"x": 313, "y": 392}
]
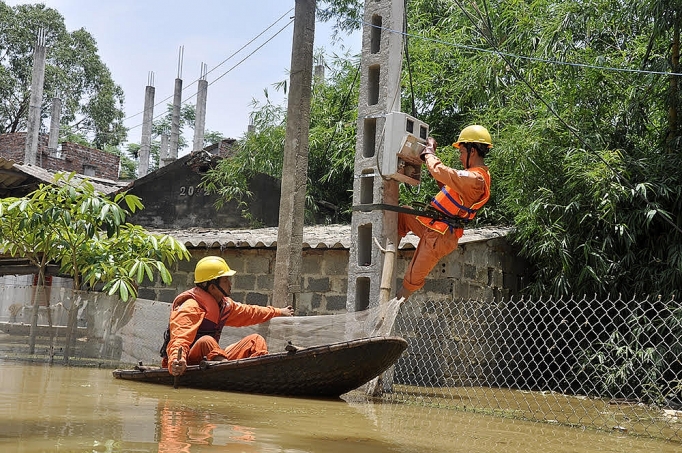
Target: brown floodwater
[{"x": 57, "y": 409}]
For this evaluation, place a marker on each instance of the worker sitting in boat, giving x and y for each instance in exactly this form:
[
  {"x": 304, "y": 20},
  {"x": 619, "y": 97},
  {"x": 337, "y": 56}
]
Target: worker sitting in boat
[{"x": 198, "y": 316}]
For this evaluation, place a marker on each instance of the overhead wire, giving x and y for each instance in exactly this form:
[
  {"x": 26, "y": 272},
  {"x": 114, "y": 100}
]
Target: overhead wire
[
  {"x": 490, "y": 38},
  {"x": 224, "y": 73},
  {"x": 506, "y": 57},
  {"x": 343, "y": 106},
  {"x": 213, "y": 69},
  {"x": 524, "y": 57},
  {"x": 208, "y": 72},
  {"x": 407, "y": 59},
  {"x": 411, "y": 85}
]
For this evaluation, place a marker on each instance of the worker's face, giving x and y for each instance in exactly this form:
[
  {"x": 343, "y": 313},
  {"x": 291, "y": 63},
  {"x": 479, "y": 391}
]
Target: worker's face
[
  {"x": 225, "y": 284},
  {"x": 463, "y": 154}
]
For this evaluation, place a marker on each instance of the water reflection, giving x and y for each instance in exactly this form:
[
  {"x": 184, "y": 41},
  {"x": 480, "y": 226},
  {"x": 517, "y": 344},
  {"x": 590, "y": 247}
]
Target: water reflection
[
  {"x": 46, "y": 409},
  {"x": 183, "y": 429}
]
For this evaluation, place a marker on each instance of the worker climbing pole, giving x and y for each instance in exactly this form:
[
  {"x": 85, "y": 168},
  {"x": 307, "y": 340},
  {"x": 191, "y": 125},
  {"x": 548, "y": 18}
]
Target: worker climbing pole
[{"x": 387, "y": 153}]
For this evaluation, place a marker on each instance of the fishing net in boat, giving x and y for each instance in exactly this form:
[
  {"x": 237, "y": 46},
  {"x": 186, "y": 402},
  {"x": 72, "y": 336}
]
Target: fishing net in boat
[
  {"x": 142, "y": 335},
  {"x": 108, "y": 331}
]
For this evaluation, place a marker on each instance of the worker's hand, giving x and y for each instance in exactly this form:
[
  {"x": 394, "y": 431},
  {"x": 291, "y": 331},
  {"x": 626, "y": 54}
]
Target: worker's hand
[
  {"x": 432, "y": 143},
  {"x": 177, "y": 367},
  {"x": 286, "y": 311},
  {"x": 430, "y": 148}
]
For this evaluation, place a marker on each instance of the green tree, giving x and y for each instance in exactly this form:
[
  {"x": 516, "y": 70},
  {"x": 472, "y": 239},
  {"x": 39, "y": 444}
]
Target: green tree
[
  {"x": 92, "y": 103},
  {"x": 331, "y": 146},
  {"x": 579, "y": 163},
  {"x": 584, "y": 145},
  {"x": 86, "y": 234},
  {"x": 23, "y": 234}
]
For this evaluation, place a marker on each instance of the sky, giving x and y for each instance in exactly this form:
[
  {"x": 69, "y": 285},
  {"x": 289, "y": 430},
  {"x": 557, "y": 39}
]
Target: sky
[{"x": 138, "y": 37}]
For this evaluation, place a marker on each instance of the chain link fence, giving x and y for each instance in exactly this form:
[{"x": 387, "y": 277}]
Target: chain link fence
[{"x": 604, "y": 364}]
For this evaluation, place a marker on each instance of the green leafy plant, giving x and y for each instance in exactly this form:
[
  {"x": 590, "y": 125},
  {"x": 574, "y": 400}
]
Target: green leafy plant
[{"x": 86, "y": 234}]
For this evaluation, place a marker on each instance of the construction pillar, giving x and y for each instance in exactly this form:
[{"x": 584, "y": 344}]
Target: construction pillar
[
  {"x": 55, "y": 118},
  {"x": 147, "y": 119},
  {"x": 381, "y": 64},
  {"x": 175, "y": 117},
  {"x": 164, "y": 151},
  {"x": 36, "y": 101},
  {"x": 287, "y": 285},
  {"x": 200, "y": 117}
]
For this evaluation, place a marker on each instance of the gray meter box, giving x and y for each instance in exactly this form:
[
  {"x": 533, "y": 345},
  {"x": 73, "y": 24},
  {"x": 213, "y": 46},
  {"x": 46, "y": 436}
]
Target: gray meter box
[{"x": 404, "y": 138}]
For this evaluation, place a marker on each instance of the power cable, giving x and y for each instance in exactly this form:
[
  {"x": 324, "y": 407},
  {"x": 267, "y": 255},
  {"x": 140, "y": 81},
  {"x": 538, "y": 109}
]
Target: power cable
[
  {"x": 343, "y": 107},
  {"x": 407, "y": 59},
  {"x": 490, "y": 38},
  {"x": 128, "y": 129},
  {"x": 224, "y": 73},
  {"x": 524, "y": 57},
  {"x": 224, "y": 61},
  {"x": 249, "y": 55}
]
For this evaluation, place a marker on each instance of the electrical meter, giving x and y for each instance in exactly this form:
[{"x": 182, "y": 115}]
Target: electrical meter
[{"x": 404, "y": 139}]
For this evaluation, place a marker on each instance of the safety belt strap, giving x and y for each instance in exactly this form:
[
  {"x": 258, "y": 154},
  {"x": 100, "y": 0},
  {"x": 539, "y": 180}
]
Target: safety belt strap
[{"x": 454, "y": 222}]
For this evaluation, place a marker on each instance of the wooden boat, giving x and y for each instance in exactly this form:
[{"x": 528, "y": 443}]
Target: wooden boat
[{"x": 321, "y": 371}]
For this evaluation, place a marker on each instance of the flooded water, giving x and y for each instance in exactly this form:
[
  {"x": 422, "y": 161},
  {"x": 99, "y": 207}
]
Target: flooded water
[{"x": 55, "y": 409}]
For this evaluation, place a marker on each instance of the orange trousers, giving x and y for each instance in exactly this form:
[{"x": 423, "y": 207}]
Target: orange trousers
[
  {"x": 250, "y": 346},
  {"x": 431, "y": 248}
]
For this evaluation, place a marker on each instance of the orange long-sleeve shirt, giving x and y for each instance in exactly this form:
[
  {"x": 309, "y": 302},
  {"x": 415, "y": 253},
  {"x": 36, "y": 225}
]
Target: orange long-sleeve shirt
[
  {"x": 188, "y": 314},
  {"x": 468, "y": 184}
]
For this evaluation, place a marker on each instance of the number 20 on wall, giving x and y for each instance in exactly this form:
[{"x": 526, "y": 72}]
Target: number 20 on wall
[{"x": 188, "y": 191}]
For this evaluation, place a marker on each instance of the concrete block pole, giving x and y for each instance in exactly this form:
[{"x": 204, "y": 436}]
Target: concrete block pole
[
  {"x": 175, "y": 117},
  {"x": 200, "y": 117},
  {"x": 147, "y": 119},
  {"x": 36, "y": 101},
  {"x": 55, "y": 118},
  {"x": 287, "y": 284},
  {"x": 381, "y": 64}
]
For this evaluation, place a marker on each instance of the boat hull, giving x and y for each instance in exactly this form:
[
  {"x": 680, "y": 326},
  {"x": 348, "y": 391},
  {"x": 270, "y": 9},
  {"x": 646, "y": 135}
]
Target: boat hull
[{"x": 322, "y": 371}]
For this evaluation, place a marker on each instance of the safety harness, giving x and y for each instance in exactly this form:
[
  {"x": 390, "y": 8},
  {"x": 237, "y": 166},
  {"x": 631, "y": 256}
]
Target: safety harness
[{"x": 426, "y": 211}]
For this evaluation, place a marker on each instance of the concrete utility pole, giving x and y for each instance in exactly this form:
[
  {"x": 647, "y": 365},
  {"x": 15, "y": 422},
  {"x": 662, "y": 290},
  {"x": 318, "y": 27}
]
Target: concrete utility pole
[
  {"x": 36, "y": 101},
  {"x": 147, "y": 118},
  {"x": 381, "y": 64},
  {"x": 175, "y": 118},
  {"x": 55, "y": 118},
  {"x": 200, "y": 118},
  {"x": 287, "y": 285}
]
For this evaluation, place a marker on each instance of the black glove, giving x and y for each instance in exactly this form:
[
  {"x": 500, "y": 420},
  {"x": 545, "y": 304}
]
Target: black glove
[{"x": 430, "y": 148}]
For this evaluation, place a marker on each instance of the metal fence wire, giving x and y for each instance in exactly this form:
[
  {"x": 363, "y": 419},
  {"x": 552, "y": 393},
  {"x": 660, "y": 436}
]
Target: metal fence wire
[
  {"x": 604, "y": 364},
  {"x": 590, "y": 363}
]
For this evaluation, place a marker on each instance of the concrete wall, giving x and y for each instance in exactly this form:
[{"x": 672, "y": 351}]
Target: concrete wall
[
  {"x": 173, "y": 199},
  {"x": 486, "y": 269},
  {"x": 70, "y": 158}
]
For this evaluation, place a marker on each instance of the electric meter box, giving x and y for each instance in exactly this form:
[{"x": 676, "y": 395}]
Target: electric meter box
[{"x": 404, "y": 139}]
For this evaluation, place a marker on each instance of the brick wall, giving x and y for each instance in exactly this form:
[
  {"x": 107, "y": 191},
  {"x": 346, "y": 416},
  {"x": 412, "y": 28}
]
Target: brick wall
[
  {"x": 12, "y": 145},
  {"x": 71, "y": 158},
  {"x": 485, "y": 269}
]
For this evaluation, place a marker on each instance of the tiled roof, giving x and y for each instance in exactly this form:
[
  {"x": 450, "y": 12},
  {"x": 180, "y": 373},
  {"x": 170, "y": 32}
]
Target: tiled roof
[
  {"x": 315, "y": 237},
  {"x": 13, "y": 175}
]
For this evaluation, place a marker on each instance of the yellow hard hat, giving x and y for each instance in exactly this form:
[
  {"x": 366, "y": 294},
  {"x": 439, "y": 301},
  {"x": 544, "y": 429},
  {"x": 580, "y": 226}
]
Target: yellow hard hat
[
  {"x": 474, "y": 134},
  {"x": 211, "y": 267}
]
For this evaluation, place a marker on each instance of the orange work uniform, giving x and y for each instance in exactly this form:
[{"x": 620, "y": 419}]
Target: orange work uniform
[
  {"x": 437, "y": 239},
  {"x": 197, "y": 320}
]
